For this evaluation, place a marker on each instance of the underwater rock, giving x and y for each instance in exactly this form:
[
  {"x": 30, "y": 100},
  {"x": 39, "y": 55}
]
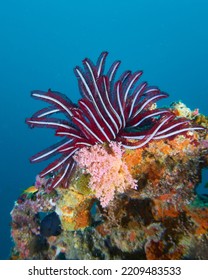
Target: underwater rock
[{"x": 163, "y": 218}]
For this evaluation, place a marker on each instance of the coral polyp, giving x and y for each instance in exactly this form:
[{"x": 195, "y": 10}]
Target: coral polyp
[{"x": 110, "y": 109}]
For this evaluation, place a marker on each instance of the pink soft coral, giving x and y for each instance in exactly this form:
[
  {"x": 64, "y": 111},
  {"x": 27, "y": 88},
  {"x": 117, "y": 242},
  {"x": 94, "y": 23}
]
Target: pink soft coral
[{"x": 109, "y": 174}]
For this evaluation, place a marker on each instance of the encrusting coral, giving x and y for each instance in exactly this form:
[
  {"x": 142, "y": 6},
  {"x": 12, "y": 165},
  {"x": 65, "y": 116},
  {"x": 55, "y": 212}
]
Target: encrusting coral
[{"x": 103, "y": 215}]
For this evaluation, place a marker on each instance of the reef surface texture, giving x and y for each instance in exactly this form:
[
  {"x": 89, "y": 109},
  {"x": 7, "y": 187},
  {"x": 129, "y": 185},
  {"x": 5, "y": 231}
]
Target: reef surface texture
[{"x": 121, "y": 204}]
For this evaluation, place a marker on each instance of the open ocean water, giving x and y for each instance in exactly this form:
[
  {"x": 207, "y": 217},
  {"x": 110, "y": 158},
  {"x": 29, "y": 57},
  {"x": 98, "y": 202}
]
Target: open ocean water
[{"x": 42, "y": 40}]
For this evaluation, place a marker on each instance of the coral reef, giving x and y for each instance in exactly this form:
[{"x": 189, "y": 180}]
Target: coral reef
[
  {"x": 110, "y": 109},
  {"x": 102, "y": 215}
]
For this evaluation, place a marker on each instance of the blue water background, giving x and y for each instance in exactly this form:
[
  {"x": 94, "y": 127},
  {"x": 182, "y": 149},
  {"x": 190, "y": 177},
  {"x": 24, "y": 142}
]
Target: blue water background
[{"x": 41, "y": 42}]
